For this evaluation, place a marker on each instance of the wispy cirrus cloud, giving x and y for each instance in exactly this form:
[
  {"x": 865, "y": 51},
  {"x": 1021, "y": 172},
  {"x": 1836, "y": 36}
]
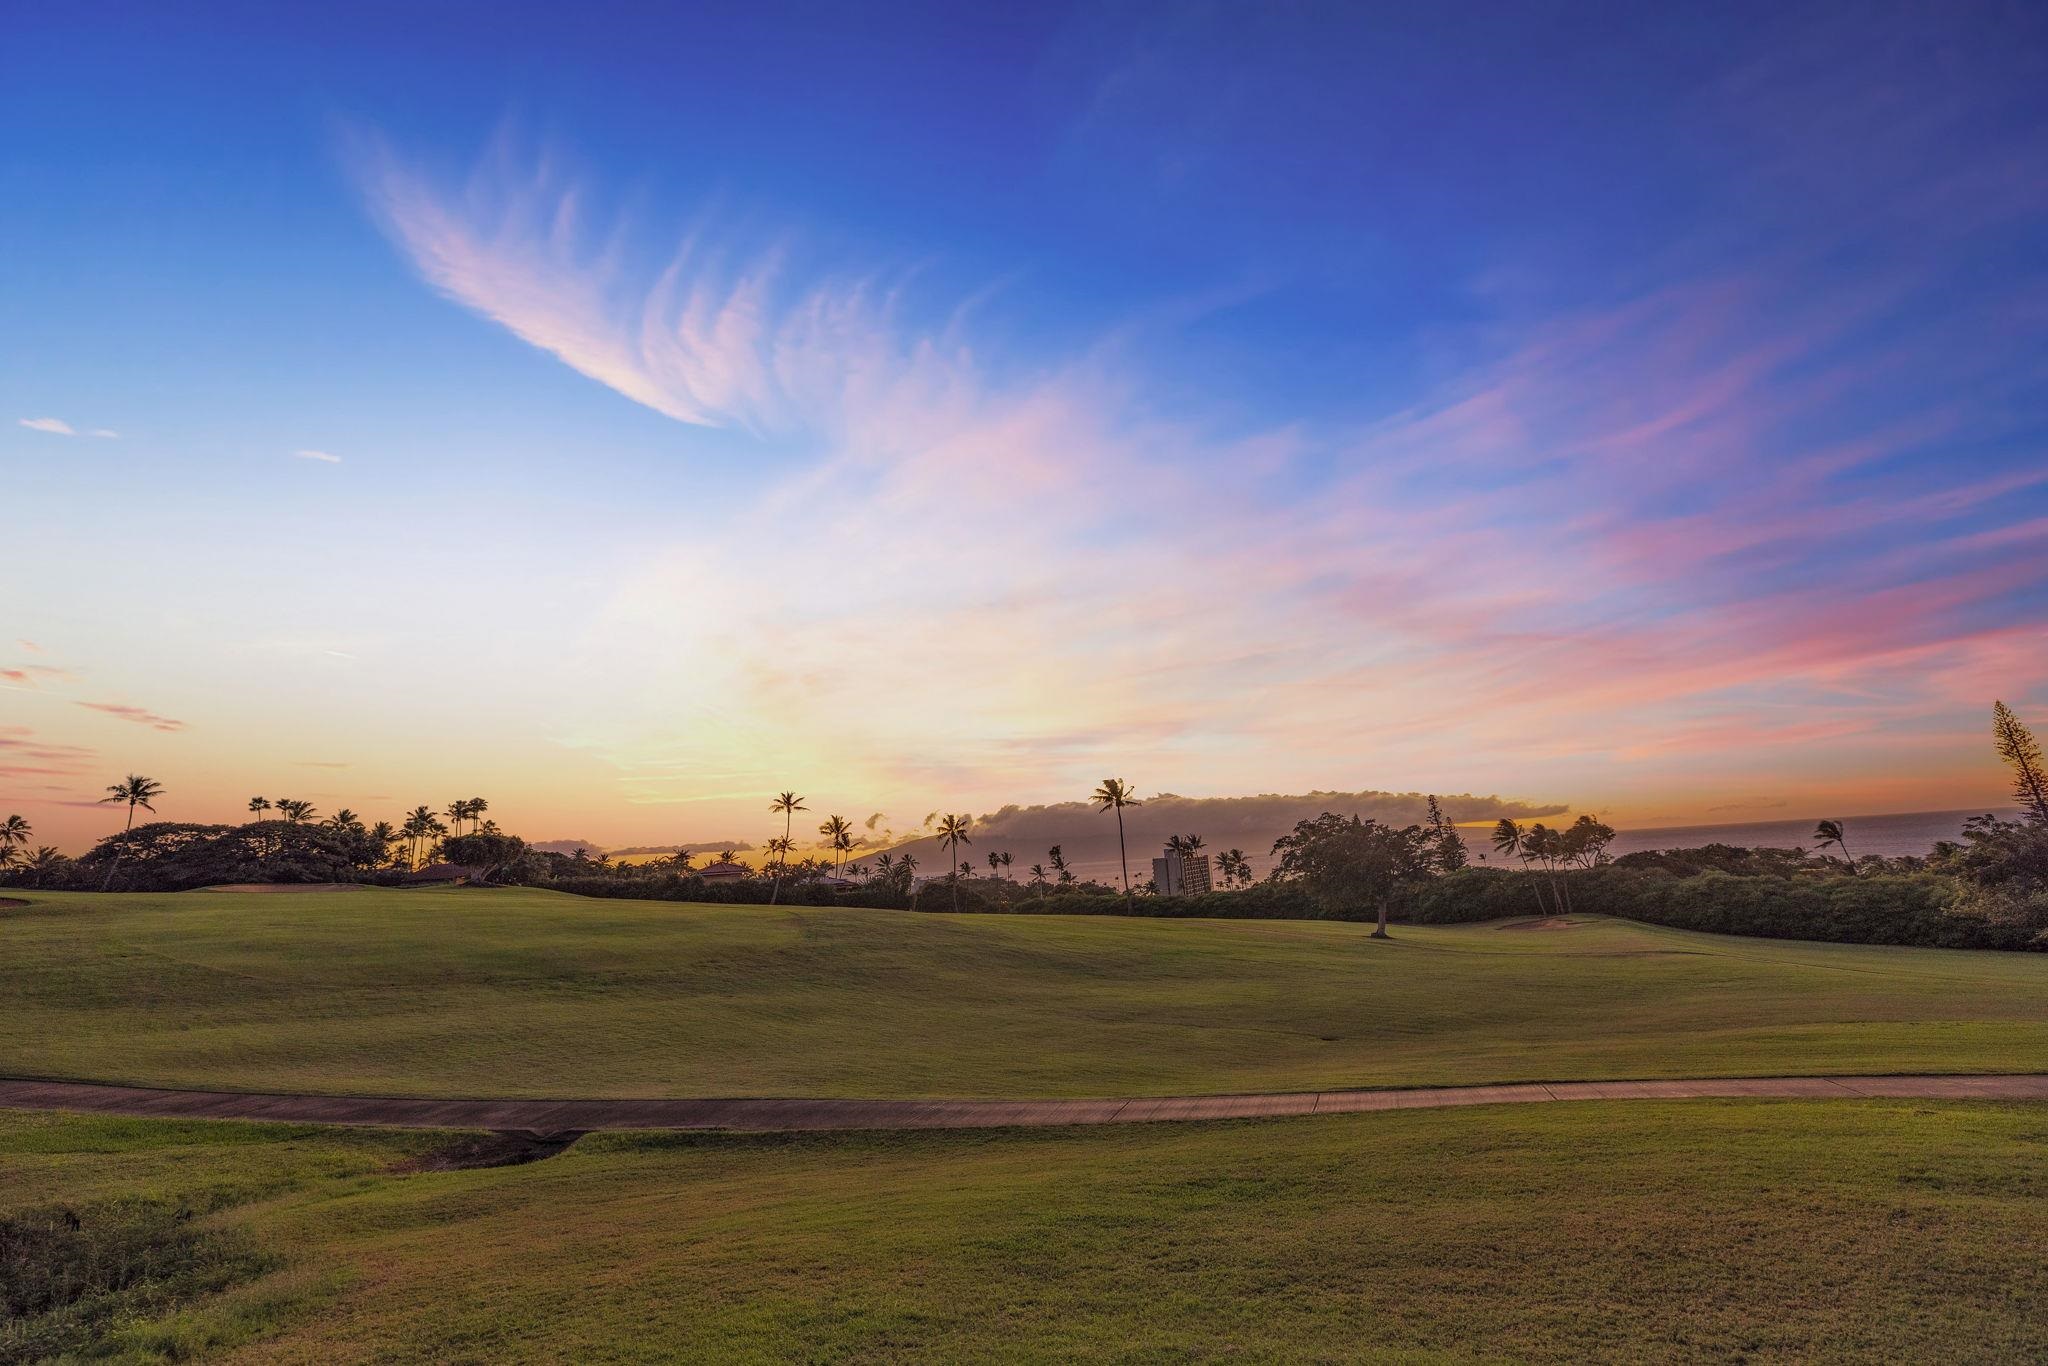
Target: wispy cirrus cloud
[
  {"x": 141, "y": 716},
  {"x": 1635, "y": 530},
  {"x": 320, "y": 457},
  {"x": 57, "y": 426}
]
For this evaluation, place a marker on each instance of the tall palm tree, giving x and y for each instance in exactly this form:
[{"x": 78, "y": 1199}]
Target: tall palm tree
[
  {"x": 995, "y": 863},
  {"x": 345, "y": 819},
  {"x": 477, "y": 807},
  {"x": 1115, "y": 795},
  {"x": 953, "y": 834},
  {"x": 419, "y": 824},
  {"x": 133, "y": 790},
  {"x": 1832, "y": 832},
  {"x": 683, "y": 860},
  {"x": 259, "y": 805},
  {"x": 458, "y": 811},
  {"x": 294, "y": 812},
  {"x": 14, "y": 831},
  {"x": 838, "y": 833},
  {"x": 1007, "y": 860},
  {"x": 788, "y": 803},
  {"x": 382, "y": 835}
]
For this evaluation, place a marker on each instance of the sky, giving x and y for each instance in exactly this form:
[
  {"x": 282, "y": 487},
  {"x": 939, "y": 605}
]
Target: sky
[{"x": 628, "y": 412}]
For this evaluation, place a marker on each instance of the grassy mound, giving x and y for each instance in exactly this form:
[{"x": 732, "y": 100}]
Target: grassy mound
[
  {"x": 1705, "y": 1230},
  {"x": 461, "y": 992}
]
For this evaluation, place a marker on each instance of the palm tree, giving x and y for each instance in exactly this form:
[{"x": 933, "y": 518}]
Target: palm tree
[
  {"x": 134, "y": 790},
  {"x": 788, "y": 803},
  {"x": 838, "y": 835},
  {"x": 294, "y": 812},
  {"x": 477, "y": 807},
  {"x": 953, "y": 834},
  {"x": 682, "y": 861},
  {"x": 14, "y": 831},
  {"x": 458, "y": 811},
  {"x": 1037, "y": 871},
  {"x": 995, "y": 863},
  {"x": 1509, "y": 842},
  {"x": 1059, "y": 865},
  {"x": 345, "y": 819},
  {"x": 1831, "y": 832},
  {"x": 259, "y": 805},
  {"x": 1115, "y": 795},
  {"x": 1007, "y": 861},
  {"x": 419, "y": 825},
  {"x": 382, "y": 835},
  {"x": 44, "y": 862}
]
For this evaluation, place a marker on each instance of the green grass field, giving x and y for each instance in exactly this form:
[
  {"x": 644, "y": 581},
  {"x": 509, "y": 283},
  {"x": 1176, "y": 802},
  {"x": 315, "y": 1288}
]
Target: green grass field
[
  {"x": 523, "y": 993},
  {"x": 1705, "y": 1230}
]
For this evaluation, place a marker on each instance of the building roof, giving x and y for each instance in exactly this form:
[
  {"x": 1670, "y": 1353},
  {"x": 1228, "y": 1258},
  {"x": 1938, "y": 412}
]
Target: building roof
[
  {"x": 446, "y": 872},
  {"x": 724, "y": 870}
]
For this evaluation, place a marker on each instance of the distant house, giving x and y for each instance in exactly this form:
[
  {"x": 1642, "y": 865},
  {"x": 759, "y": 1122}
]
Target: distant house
[
  {"x": 837, "y": 884},
  {"x": 724, "y": 872},
  {"x": 443, "y": 874}
]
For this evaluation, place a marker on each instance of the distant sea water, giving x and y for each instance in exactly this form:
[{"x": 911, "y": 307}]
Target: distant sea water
[{"x": 1913, "y": 832}]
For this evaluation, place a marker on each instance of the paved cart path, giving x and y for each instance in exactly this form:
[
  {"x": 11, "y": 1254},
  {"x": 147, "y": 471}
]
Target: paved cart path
[{"x": 557, "y": 1116}]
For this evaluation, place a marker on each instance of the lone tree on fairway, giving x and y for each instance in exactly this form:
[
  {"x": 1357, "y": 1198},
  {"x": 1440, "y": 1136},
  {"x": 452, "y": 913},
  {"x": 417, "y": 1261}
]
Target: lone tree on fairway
[
  {"x": 788, "y": 803},
  {"x": 2017, "y": 746},
  {"x": 1346, "y": 863},
  {"x": 953, "y": 834},
  {"x": 1831, "y": 832},
  {"x": 1115, "y": 795},
  {"x": 134, "y": 790}
]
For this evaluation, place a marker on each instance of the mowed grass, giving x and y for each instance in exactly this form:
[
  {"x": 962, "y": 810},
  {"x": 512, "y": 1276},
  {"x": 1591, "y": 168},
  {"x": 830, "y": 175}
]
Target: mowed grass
[
  {"x": 526, "y": 993},
  {"x": 1619, "y": 1231}
]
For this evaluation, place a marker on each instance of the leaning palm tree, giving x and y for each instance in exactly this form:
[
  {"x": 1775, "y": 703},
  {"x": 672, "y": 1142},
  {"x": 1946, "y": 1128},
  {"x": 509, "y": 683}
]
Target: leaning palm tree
[
  {"x": 259, "y": 805},
  {"x": 788, "y": 803},
  {"x": 133, "y": 790},
  {"x": 1832, "y": 832},
  {"x": 1115, "y": 795},
  {"x": 953, "y": 834},
  {"x": 1510, "y": 842}
]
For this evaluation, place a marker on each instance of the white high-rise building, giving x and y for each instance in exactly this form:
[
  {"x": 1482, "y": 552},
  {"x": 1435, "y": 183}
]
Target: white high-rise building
[{"x": 1181, "y": 874}]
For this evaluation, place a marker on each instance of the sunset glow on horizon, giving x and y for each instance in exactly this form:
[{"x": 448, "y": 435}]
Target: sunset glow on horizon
[{"x": 1236, "y": 401}]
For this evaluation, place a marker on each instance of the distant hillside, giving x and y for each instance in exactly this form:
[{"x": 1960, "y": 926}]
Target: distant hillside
[{"x": 1252, "y": 824}]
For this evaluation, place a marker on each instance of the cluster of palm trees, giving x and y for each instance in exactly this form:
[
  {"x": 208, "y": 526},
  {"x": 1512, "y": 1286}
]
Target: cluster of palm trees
[
  {"x": 15, "y": 833},
  {"x": 289, "y": 810},
  {"x": 1583, "y": 844}
]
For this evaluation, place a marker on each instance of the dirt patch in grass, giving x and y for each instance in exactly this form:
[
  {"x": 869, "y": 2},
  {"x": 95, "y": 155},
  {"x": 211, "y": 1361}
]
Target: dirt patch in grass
[
  {"x": 507, "y": 1148},
  {"x": 1547, "y": 923},
  {"x": 11, "y": 901}
]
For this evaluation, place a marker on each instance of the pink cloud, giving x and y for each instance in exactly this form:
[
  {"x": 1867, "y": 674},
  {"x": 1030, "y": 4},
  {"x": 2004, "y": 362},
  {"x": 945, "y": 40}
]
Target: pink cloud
[{"x": 138, "y": 715}]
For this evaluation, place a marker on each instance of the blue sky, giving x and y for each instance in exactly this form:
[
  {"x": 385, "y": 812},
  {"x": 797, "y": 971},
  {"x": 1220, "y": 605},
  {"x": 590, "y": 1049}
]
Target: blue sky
[{"x": 1633, "y": 406}]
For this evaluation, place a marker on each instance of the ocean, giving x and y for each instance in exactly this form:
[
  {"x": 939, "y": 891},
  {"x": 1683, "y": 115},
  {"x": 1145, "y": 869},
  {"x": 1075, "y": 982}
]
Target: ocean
[{"x": 1912, "y": 832}]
